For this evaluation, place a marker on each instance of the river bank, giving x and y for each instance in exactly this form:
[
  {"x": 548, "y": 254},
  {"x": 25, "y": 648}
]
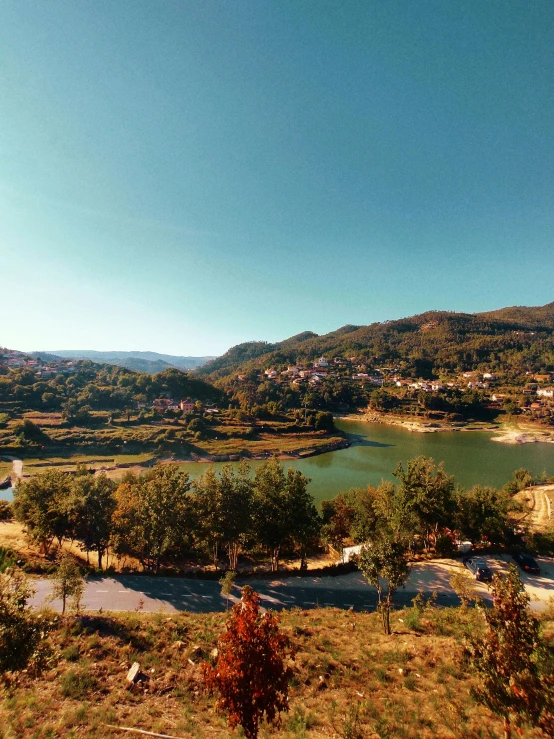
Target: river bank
[{"x": 504, "y": 433}]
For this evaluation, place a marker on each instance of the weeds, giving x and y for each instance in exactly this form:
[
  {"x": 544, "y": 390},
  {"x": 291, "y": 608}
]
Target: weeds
[{"x": 77, "y": 683}]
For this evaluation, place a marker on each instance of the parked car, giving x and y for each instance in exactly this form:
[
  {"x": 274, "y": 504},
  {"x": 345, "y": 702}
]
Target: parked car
[
  {"x": 464, "y": 547},
  {"x": 527, "y": 563},
  {"x": 479, "y": 569}
]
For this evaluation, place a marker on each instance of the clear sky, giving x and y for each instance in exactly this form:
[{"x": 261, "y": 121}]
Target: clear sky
[{"x": 184, "y": 175}]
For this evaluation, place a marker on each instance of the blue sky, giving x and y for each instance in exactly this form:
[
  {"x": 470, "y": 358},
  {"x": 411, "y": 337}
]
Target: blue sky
[{"x": 181, "y": 176}]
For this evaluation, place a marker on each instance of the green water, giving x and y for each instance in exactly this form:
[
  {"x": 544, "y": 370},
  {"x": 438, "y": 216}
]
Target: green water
[{"x": 376, "y": 450}]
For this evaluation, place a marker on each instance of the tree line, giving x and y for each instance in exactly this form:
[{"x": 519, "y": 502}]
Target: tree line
[{"x": 162, "y": 517}]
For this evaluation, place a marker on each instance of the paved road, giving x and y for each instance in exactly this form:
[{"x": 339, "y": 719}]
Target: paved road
[
  {"x": 143, "y": 593},
  {"x": 134, "y": 592}
]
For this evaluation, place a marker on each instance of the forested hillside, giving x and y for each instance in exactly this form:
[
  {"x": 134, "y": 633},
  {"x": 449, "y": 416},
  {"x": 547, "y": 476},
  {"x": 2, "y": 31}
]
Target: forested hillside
[
  {"x": 80, "y": 384},
  {"x": 512, "y": 340}
]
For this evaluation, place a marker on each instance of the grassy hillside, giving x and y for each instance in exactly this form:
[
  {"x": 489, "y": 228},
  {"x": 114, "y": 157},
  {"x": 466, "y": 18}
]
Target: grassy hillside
[{"x": 413, "y": 684}]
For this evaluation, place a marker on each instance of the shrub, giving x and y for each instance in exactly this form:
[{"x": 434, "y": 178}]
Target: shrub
[
  {"x": 7, "y": 559},
  {"x": 77, "y": 683},
  {"x": 22, "y": 633},
  {"x": 250, "y": 674},
  {"x": 444, "y": 546}
]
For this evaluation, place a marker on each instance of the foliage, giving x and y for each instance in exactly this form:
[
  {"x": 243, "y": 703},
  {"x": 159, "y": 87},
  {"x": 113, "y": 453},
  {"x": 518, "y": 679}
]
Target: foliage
[
  {"x": 68, "y": 583},
  {"x": 521, "y": 479},
  {"x": 5, "y": 510},
  {"x": 465, "y": 589},
  {"x": 283, "y": 510},
  {"x": 223, "y": 506},
  {"x": 250, "y": 673},
  {"x": 227, "y": 582},
  {"x": 483, "y": 513},
  {"x": 515, "y": 669},
  {"x": 7, "y": 559},
  {"x": 425, "y": 499},
  {"x": 42, "y": 504},
  {"x": 385, "y": 559},
  {"x": 338, "y": 520},
  {"x": 94, "y": 505},
  {"x": 22, "y": 633},
  {"x": 152, "y": 514}
]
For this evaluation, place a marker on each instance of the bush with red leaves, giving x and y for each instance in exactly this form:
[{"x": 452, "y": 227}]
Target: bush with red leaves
[{"x": 250, "y": 674}]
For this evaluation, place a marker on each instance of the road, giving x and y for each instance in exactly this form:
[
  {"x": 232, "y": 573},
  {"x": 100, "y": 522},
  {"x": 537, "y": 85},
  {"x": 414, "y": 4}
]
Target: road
[{"x": 171, "y": 594}]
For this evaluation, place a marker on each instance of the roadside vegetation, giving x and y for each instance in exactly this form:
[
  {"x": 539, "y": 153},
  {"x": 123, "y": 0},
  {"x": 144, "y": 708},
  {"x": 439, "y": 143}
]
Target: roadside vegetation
[
  {"x": 244, "y": 519},
  {"x": 345, "y": 678}
]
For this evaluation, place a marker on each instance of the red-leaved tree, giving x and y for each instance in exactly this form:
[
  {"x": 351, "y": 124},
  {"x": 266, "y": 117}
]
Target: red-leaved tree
[{"x": 250, "y": 674}]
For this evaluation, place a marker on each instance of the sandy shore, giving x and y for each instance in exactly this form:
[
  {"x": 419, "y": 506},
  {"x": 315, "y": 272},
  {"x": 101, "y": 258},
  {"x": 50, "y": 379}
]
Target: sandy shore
[
  {"x": 524, "y": 436},
  {"x": 504, "y": 435},
  {"x": 419, "y": 427}
]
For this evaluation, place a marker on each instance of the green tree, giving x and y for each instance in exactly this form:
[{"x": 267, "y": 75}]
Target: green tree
[
  {"x": 385, "y": 560},
  {"x": 68, "y": 583},
  {"x": 209, "y": 513},
  {"x": 227, "y": 582},
  {"x": 338, "y": 518},
  {"x": 44, "y": 505},
  {"x": 515, "y": 669},
  {"x": 236, "y": 490},
  {"x": 22, "y": 632},
  {"x": 283, "y": 511},
  {"x": 305, "y": 521},
  {"x": 521, "y": 479},
  {"x": 425, "y": 496},
  {"x": 94, "y": 507},
  {"x": 483, "y": 512},
  {"x": 5, "y": 510},
  {"x": 250, "y": 674},
  {"x": 153, "y": 514}
]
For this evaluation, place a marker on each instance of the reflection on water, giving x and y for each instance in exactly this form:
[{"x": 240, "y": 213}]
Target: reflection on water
[{"x": 377, "y": 449}]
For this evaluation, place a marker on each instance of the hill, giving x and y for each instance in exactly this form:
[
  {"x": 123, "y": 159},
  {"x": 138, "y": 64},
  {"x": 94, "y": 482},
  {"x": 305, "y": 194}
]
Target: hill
[
  {"x": 426, "y": 344},
  {"x": 139, "y": 361},
  {"x": 349, "y": 680},
  {"x": 543, "y": 315}
]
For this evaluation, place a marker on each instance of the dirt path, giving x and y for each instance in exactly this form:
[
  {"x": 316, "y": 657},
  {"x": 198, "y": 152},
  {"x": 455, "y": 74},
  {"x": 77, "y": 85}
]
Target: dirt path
[
  {"x": 535, "y": 498},
  {"x": 17, "y": 467}
]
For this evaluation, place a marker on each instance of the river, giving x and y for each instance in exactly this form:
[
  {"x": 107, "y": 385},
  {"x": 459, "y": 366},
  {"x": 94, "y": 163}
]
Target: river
[{"x": 376, "y": 450}]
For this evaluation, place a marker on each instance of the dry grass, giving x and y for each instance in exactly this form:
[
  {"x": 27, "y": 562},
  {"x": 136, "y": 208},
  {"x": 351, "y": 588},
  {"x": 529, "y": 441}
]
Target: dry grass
[
  {"x": 411, "y": 684},
  {"x": 12, "y": 536}
]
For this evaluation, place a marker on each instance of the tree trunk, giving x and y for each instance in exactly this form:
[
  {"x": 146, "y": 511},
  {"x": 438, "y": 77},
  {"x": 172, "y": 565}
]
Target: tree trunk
[
  {"x": 507, "y": 728},
  {"x": 99, "y": 558},
  {"x": 275, "y": 559},
  {"x": 233, "y": 555}
]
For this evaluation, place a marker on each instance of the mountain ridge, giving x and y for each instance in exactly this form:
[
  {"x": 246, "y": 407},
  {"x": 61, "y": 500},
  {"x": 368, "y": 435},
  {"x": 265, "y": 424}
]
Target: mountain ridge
[
  {"x": 428, "y": 336},
  {"x": 140, "y": 361}
]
